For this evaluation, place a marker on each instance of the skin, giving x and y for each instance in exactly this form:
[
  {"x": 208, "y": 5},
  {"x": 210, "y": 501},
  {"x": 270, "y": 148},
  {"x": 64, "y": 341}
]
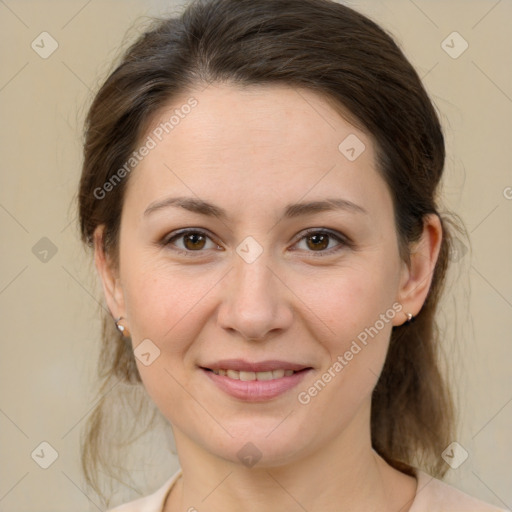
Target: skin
[{"x": 252, "y": 151}]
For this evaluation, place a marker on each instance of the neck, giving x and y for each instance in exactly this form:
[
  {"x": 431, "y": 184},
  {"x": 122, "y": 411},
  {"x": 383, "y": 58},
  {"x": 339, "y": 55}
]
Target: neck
[{"x": 343, "y": 474}]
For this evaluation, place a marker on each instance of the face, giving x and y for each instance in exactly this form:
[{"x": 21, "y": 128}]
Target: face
[{"x": 252, "y": 284}]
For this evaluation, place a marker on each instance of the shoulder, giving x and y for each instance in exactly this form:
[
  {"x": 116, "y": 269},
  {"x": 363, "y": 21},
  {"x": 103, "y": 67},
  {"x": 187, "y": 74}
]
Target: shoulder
[
  {"x": 151, "y": 503},
  {"x": 433, "y": 495}
]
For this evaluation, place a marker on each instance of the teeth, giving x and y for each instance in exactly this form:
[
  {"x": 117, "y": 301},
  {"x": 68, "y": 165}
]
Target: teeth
[
  {"x": 248, "y": 376},
  {"x": 264, "y": 376}
]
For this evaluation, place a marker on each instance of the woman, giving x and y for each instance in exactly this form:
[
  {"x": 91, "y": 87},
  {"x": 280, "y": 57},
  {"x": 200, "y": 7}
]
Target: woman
[{"x": 260, "y": 190}]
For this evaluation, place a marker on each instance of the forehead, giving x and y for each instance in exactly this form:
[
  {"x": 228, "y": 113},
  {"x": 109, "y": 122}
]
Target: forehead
[
  {"x": 255, "y": 142},
  {"x": 273, "y": 116}
]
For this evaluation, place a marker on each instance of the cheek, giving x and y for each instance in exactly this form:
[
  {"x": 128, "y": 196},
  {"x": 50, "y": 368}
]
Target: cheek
[
  {"x": 358, "y": 312},
  {"x": 168, "y": 307},
  {"x": 351, "y": 299},
  {"x": 356, "y": 309},
  {"x": 161, "y": 297}
]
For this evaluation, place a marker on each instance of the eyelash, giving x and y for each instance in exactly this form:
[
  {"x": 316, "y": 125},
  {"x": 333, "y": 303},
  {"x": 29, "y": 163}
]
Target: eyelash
[{"x": 343, "y": 241}]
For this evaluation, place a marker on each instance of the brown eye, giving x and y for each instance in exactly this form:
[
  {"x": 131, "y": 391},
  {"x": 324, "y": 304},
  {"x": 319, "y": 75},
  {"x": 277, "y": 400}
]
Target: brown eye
[
  {"x": 190, "y": 241},
  {"x": 194, "y": 241},
  {"x": 318, "y": 241}
]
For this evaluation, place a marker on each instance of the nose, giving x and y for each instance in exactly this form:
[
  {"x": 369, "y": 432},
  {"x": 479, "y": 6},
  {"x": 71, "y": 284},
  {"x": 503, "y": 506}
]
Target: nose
[{"x": 256, "y": 302}]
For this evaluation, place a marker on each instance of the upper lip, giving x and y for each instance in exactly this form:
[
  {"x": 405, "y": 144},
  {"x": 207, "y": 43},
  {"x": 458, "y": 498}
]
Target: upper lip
[{"x": 247, "y": 366}]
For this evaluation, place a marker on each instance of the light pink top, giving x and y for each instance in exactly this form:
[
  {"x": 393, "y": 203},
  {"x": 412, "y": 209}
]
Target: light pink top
[{"x": 432, "y": 495}]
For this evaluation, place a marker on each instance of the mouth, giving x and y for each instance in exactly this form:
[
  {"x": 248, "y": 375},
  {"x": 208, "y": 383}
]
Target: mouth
[
  {"x": 251, "y": 376},
  {"x": 255, "y": 382}
]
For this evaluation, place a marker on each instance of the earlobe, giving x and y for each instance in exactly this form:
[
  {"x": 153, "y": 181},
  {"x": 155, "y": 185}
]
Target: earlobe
[
  {"x": 108, "y": 276},
  {"x": 417, "y": 276}
]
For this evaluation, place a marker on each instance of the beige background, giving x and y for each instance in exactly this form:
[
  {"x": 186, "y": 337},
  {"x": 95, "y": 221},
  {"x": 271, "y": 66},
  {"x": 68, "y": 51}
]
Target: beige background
[{"x": 49, "y": 313}]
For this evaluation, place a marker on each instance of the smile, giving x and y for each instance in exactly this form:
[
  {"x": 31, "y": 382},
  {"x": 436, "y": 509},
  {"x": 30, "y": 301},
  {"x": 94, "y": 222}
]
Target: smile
[
  {"x": 248, "y": 376},
  {"x": 255, "y": 386}
]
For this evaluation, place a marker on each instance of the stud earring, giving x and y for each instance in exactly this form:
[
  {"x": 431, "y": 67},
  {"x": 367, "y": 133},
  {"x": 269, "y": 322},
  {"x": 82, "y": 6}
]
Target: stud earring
[
  {"x": 410, "y": 318},
  {"x": 121, "y": 328}
]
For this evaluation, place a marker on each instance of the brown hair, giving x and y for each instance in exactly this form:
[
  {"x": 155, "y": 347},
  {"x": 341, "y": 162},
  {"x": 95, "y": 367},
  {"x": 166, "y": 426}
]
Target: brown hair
[{"x": 350, "y": 61}]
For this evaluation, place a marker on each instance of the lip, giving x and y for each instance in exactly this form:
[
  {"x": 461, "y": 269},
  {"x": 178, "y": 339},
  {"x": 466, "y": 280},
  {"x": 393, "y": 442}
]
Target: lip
[
  {"x": 262, "y": 366},
  {"x": 257, "y": 390}
]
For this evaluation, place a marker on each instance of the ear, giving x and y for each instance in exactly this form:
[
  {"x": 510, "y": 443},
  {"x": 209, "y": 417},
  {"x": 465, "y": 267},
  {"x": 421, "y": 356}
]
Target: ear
[
  {"x": 416, "y": 276},
  {"x": 108, "y": 274}
]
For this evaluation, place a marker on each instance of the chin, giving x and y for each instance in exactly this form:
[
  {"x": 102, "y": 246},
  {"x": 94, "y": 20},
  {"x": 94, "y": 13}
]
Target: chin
[{"x": 260, "y": 447}]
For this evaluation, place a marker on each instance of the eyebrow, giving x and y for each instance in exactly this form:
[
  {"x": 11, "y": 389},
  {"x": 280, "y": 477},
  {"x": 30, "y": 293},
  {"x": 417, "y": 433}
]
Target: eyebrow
[{"x": 202, "y": 207}]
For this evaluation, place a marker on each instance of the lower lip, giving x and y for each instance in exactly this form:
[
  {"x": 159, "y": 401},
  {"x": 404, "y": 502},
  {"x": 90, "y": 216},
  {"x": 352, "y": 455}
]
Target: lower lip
[{"x": 256, "y": 390}]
